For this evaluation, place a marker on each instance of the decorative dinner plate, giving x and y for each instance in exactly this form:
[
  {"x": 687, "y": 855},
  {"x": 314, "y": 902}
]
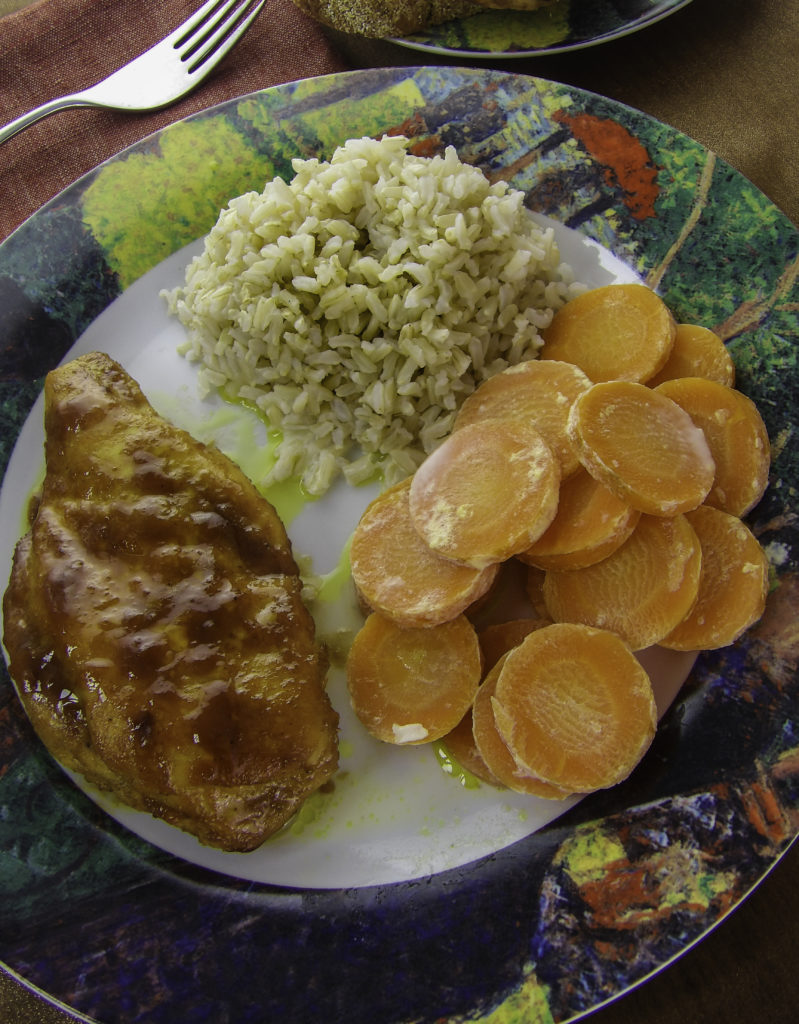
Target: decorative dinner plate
[
  {"x": 566, "y": 25},
  {"x": 404, "y": 895}
]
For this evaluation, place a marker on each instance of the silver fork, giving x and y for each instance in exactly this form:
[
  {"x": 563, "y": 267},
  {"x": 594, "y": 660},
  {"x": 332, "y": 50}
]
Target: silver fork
[{"x": 166, "y": 71}]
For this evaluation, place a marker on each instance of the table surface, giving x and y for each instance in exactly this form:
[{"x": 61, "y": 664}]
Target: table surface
[{"x": 725, "y": 73}]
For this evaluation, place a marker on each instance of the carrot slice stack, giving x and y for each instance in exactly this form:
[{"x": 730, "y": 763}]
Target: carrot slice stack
[
  {"x": 598, "y": 491},
  {"x": 733, "y": 583},
  {"x": 642, "y": 446},
  {"x": 575, "y": 707},
  {"x": 410, "y": 686},
  {"x": 397, "y": 574},
  {"x": 617, "y": 332}
]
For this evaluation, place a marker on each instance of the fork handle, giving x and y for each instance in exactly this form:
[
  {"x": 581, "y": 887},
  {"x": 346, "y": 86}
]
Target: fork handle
[{"x": 61, "y": 103}]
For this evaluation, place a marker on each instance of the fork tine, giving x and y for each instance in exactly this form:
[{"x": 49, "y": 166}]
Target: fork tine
[
  {"x": 201, "y": 33},
  {"x": 187, "y": 29},
  {"x": 225, "y": 35},
  {"x": 222, "y": 35}
]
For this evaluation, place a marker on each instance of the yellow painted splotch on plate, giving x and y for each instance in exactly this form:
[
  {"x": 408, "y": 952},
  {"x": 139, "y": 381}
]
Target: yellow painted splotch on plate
[
  {"x": 505, "y": 31},
  {"x": 143, "y": 208},
  {"x": 324, "y": 126},
  {"x": 528, "y": 1004}
]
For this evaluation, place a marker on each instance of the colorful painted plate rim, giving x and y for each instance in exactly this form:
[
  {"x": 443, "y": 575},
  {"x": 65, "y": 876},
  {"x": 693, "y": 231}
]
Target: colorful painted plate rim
[
  {"x": 425, "y": 42},
  {"x": 594, "y": 903}
]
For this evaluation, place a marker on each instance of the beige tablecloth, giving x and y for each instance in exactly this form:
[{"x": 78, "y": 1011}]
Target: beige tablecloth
[{"x": 723, "y": 71}]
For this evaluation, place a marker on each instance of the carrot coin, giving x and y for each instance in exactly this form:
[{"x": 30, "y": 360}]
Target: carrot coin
[
  {"x": 616, "y": 332},
  {"x": 540, "y": 392},
  {"x": 575, "y": 707},
  {"x": 410, "y": 686},
  {"x": 733, "y": 583},
  {"x": 641, "y": 592},
  {"x": 461, "y": 747},
  {"x": 486, "y": 493},
  {"x": 397, "y": 574},
  {"x": 737, "y": 437},
  {"x": 642, "y": 446},
  {"x": 495, "y": 602},
  {"x": 697, "y": 352},
  {"x": 494, "y": 751},
  {"x": 501, "y": 637},
  {"x": 591, "y": 522},
  {"x": 534, "y": 589}
]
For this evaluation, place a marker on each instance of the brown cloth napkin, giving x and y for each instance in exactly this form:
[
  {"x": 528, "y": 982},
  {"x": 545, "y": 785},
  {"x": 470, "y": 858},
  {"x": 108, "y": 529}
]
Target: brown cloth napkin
[{"x": 56, "y": 47}]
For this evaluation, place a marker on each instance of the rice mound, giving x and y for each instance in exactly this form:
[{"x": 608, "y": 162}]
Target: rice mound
[{"x": 360, "y": 303}]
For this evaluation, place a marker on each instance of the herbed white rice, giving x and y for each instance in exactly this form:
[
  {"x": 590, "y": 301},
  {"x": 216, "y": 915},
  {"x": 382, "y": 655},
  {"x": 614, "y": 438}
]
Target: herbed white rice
[{"x": 358, "y": 304}]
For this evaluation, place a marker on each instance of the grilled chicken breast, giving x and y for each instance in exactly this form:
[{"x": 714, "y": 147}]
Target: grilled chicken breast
[{"x": 154, "y": 622}]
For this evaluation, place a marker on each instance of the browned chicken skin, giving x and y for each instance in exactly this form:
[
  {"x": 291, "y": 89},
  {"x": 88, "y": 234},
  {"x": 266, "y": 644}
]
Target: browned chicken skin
[{"x": 154, "y": 622}]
